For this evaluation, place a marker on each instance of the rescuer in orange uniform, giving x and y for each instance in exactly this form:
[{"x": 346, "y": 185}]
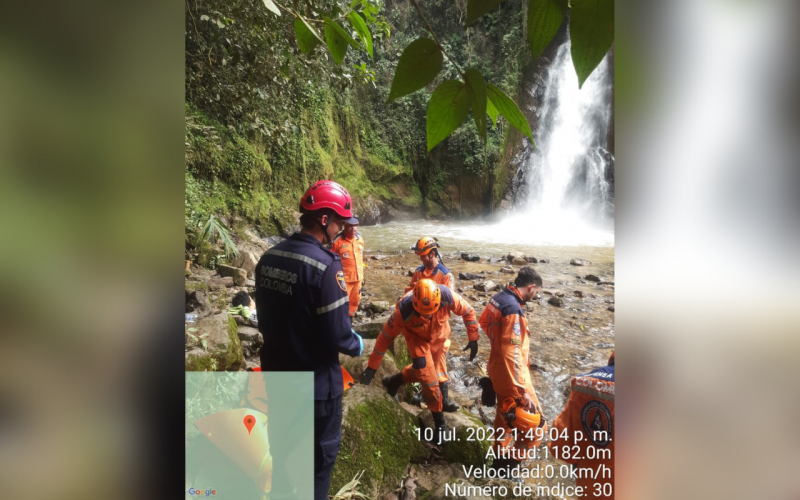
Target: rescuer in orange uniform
[
  {"x": 505, "y": 324},
  {"x": 349, "y": 244},
  {"x": 423, "y": 319},
  {"x": 432, "y": 267},
  {"x": 586, "y": 431}
]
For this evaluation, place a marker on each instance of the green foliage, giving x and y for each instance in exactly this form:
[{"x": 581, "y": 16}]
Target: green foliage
[
  {"x": 544, "y": 19},
  {"x": 447, "y": 108},
  {"x": 307, "y": 36},
  {"x": 212, "y": 230},
  {"x": 418, "y": 66},
  {"x": 363, "y": 32},
  {"x": 338, "y": 40},
  {"x": 478, "y": 8},
  {"x": 504, "y": 105},
  {"x": 476, "y": 88},
  {"x": 591, "y": 31}
]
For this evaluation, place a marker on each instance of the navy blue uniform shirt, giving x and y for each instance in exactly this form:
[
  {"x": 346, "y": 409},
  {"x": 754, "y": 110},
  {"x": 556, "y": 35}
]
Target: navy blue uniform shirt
[{"x": 302, "y": 306}]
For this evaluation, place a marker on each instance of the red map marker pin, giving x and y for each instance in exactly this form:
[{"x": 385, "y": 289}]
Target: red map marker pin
[{"x": 249, "y": 422}]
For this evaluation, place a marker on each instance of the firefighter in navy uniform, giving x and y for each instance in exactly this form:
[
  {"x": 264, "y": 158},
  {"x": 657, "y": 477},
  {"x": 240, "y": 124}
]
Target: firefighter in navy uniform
[{"x": 302, "y": 305}]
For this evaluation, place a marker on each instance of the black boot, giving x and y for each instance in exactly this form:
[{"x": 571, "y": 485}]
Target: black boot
[
  {"x": 439, "y": 427},
  {"x": 447, "y": 405},
  {"x": 393, "y": 383}
]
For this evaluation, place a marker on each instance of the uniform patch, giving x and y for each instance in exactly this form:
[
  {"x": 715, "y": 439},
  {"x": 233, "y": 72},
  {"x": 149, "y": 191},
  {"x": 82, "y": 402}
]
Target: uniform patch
[
  {"x": 597, "y": 423},
  {"x": 340, "y": 281},
  {"x": 516, "y": 342},
  {"x": 344, "y": 255}
]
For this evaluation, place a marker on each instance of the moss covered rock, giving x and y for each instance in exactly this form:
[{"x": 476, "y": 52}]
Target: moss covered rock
[
  {"x": 224, "y": 350},
  {"x": 467, "y": 449},
  {"x": 379, "y": 437}
]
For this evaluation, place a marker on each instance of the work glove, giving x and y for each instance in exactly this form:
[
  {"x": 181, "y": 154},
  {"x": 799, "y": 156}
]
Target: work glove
[
  {"x": 366, "y": 377},
  {"x": 472, "y": 345},
  {"x": 360, "y": 342}
]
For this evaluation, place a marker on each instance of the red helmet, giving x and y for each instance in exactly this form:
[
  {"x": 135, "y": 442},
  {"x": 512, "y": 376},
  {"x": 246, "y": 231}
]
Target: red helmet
[{"x": 329, "y": 194}]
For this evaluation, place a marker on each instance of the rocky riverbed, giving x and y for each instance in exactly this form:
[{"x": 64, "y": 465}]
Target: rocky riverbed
[{"x": 572, "y": 330}]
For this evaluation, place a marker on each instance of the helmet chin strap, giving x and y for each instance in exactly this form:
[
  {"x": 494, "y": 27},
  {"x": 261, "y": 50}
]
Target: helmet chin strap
[{"x": 324, "y": 232}]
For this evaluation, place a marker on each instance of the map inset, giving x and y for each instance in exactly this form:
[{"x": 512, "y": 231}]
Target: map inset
[{"x": 228, "y": 449}]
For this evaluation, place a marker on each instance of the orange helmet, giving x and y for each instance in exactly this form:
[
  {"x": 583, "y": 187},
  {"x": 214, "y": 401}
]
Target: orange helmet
[
  {"x": 521, "y": 419},
  {"x": 425, "y": 245},
  {"x": 426, "y": 297}
]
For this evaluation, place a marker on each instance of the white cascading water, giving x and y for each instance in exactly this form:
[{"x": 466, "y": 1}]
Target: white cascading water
[{"x": 568, "y": 198}]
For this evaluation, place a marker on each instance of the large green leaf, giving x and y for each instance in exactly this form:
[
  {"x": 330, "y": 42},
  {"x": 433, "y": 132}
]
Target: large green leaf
[
  {"x": 338, "y": 40},
  {"x": 418, "y": 66},
  {"x": 271, "y": 6},
  {"x": 491, "y": 110},
  {"x": 363, "y": 32},
  {"x": 447, "y": 108},
  {"x": 544, "y": 19},
  {"x": 509, "y": 109},
  {"x": 591, "y": 29},
  {"x": 477, "y": 8},
  {"x": 307, "y": 37},
  {"x": 476, "y": 88}
]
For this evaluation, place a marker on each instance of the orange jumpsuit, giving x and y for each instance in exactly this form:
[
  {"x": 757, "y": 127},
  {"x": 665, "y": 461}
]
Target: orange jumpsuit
[
  {"x": 439, "y": 274},
  {"x": 352, "y": 253},
  {"x": 589, "y": 410},
  {"x": 427, "y": 340},
  {"x": 505, "y": 324}
]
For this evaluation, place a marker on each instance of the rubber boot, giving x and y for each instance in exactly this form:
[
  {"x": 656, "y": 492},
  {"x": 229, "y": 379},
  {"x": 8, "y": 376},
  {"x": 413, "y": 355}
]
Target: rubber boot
[
  {"x": 447, "y": 405},
  {"x": 439, "y": 427},
  {"x": 393, "y": 383}
]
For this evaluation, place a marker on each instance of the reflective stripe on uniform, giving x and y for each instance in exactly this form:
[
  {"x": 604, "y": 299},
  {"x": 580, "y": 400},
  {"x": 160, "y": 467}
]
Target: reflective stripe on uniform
[
  {"x": 331, "y": 307},
  {"x": 467, "y": 323},
  {"x": 386, "y": 335},
  {"x": 433, "y": 383},
  {"x": 378, "y": 352},
  {"x": 297, "y": 256}
]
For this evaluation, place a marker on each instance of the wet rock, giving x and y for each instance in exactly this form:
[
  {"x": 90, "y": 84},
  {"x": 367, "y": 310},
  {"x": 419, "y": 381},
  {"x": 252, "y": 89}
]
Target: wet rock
[
  {"x": 471, "y": 257},
  {"x": 610, "y": 308},
  {"x": 508, "y": 270},
  {"x": 517, "y": 258},
  {"x": 605, "y": 283},
  {"x": 544, "y": 261},
  {"x": 487, "y": 286},
  {"x": 603, "y": 345},
  {"x": 379, "y": 306},
  {"x": 239, "y": 275},
  {"x": 591, "y": 277},
  {"x": 222, "y": 282},
  {"x": 580, "y": 262},
  {"x": 469, "y": 276},
  {"x": 555, "y": 301},
  {"x": 224, "y": 352},
  {"x": 579, "y": 294},
  {"x": 197, "y": 301},
  {"x": 250, "y": 334},
  {"x": 532, "y": 260},
  {"x": 559, "y": 293}
]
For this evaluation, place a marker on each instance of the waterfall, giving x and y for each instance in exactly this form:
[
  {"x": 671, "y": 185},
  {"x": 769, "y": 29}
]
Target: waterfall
[{"x": 564, "y": 193}]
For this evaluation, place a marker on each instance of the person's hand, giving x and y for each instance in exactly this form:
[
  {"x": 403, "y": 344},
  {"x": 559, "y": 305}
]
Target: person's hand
[
  {"x": 360, "y": 342},
  {"x": 527, "y": 401},
  {"x": 472, "y": 345},
  {"x": 366, "y": 377}
]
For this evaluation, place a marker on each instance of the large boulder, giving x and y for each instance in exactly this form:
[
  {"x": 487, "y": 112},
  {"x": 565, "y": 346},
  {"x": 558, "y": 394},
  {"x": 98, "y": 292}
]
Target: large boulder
[
  {"x": 247, "y": 261},
  {"x": 470, "y": 257},
  {"x": 239, "y": 275},
  {"x": 591, "y": 277},
  {"x": 224, "y": 350},
  {"x": 250, "y": 334},
  {"x": 379, "y": 306},
  {"x": 369, "y": 330},
  {"x": 467, "y": 449},
  {"x": 378, "y": 437}
]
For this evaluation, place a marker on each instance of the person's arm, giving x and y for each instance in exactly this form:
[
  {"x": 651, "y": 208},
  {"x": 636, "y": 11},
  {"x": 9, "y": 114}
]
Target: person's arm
[
  {"x": 414, "y": 278},
  {"x": 462, "y": 308},
  {"x": 390, "y": 330},
  {"x": 332, "y": 313}
]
